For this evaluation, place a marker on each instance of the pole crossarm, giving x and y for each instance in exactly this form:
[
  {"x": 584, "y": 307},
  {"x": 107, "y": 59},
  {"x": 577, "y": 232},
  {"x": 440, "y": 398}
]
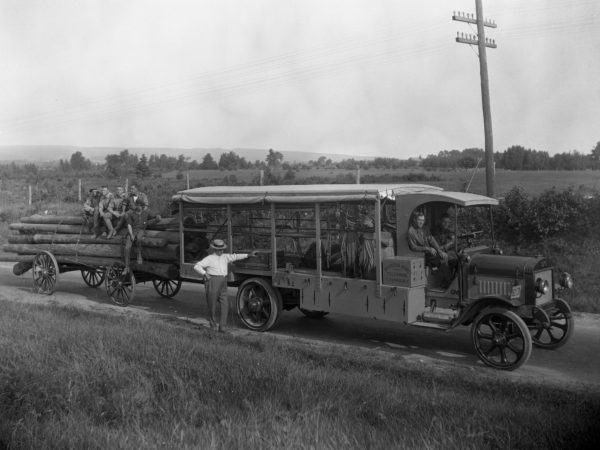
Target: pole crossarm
[
  {"x": 462, "y": 17},
  {"x": 474, "y": 40}
]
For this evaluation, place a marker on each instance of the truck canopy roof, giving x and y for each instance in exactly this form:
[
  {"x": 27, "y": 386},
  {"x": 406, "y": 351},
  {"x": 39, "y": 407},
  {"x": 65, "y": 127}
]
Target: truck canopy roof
[{"x": 311, "y": 193}]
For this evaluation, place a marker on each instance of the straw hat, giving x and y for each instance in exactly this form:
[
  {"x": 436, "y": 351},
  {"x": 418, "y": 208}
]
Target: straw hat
[{"x": 218, "y": 244}]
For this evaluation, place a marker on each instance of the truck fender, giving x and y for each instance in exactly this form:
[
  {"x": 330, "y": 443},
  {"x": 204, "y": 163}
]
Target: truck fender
[{"x": 475, "y": 307}]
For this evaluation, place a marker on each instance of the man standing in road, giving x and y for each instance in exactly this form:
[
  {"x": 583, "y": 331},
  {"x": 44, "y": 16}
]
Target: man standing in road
[{"x": 213, "y": 269}]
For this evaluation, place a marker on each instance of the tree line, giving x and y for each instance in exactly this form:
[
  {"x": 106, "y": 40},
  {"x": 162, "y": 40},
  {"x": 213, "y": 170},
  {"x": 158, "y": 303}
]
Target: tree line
[
  {"x": 126, "y": 163},
  {"x": 515, "y": 157}
]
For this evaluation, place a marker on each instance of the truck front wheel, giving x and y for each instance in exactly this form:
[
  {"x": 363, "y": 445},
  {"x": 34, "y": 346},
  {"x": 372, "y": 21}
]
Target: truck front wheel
[{"x": 501, "y": 339}]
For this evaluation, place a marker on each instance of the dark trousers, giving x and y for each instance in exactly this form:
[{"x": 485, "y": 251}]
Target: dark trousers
[
  {"x": 138, "y": 235},
  {"x": 216, "y": 291}
]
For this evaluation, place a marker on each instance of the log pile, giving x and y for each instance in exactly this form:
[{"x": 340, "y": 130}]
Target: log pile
[{"x": 71, "y": 242}]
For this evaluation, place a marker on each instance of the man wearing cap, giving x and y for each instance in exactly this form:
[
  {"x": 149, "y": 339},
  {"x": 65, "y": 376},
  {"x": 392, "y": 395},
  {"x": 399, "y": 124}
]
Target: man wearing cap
[
  {"x": 213, "y": 270},
  {"x": 91, "y": 213}
]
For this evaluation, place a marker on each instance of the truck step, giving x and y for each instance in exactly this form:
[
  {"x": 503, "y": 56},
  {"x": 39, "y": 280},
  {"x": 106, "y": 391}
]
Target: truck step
[{"x": 439, "y": 315}]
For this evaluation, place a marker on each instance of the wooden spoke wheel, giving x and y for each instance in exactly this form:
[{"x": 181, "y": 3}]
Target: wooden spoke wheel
[
  {"x": 45, "y": 273},
  {"x": 120, "y": 285},
  {"x": 259, "y": 304},
  {"x": 501, "y": 339},
  {"x": 313, "y": 314},
  {"x": 167, "y": 288},
  {"x": 93, "y": 277},
  {"x": 555, "y": 332}
]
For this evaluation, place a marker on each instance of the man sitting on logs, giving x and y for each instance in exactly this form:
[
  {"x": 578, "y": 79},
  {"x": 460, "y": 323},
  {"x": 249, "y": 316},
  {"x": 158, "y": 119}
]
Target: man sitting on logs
[
  {"x": 118, "y": 210},
  {"x": 105, "y": 208},
  {"x": 91, "y": 215},
  {"x": 135, "y": 198},
  {"x": 136, "y": 226}
]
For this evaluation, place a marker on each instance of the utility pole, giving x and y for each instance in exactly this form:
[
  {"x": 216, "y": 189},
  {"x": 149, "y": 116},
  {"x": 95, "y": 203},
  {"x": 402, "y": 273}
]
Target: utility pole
[{"x": 482, "y": 42}]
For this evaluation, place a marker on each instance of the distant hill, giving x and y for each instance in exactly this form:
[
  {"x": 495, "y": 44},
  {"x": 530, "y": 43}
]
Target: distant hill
[{"x": 41, "y": 154}]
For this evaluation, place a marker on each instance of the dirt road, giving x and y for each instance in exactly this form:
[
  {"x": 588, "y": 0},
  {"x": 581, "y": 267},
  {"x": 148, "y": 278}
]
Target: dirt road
[{"x": 576, "y": 362}]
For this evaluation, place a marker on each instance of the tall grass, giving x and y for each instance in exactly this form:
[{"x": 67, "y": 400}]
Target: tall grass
[{"x": 74, "y": 379}]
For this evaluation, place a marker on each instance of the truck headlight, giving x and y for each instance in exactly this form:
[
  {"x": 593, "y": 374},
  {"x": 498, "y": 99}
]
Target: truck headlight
[
  {"x": 542, "y": 286},
  {"x": 566, "y": 281}
]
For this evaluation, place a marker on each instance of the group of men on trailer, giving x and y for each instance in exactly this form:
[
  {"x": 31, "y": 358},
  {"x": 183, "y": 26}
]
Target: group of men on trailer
[{"x": 115, "y": 212}]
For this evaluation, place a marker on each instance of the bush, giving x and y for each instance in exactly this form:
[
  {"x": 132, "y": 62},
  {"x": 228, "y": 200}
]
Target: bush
[{"x": 521, "y": 219}]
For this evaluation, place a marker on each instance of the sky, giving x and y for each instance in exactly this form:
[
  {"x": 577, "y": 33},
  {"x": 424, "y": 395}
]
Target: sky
[{"x": 355, "y": 77}]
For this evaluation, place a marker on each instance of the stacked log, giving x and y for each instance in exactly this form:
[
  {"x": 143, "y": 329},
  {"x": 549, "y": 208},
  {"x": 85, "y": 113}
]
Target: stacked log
[{"x": 71, "y": 242}]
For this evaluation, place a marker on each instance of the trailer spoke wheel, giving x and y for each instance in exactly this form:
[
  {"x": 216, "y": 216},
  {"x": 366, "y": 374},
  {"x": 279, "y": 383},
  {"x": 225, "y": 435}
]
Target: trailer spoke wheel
[
  {"x": 45, "y": 273},
  {"x": 259, "y": 304},
  {"x": 93, "y": 277},
  {"x": 501, "y": 339},
  {"x": 167, "y": 288},
  {"x": 311, "y": 314},
  {"x": 120, "y": 285},
  {"x": 560, "y": 329}
]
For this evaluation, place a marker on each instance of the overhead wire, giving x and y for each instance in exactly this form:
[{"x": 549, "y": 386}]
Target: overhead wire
[
  {"x": 276, "y": 70},
  {"x": 258, "y": 66},
  {"x": 314, "y": 62}
]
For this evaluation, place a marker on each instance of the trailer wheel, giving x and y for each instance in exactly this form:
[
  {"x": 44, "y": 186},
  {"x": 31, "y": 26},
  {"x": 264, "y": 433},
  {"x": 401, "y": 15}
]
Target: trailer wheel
[
  {"x": 120, "y": 285},
  {"x": 93, "y": 277},
  {"x": 501, "y": 339},
  {"x": 313, "y": 314},
  {"x": 559, "y": 329},
  {"x": 259, "y": 304},
  {"x": 45, "y": 273},
  {"x": 167, "y": 288}
]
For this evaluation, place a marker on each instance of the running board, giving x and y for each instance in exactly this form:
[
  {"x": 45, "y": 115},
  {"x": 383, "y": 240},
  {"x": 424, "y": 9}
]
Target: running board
[{"x": 437, "y": 326}]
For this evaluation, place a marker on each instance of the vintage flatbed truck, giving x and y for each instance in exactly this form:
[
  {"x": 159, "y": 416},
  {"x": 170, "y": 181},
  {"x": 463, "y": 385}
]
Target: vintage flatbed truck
[
  {"x": 343, "y": 249},
  {"x": 327, "y": 249}
]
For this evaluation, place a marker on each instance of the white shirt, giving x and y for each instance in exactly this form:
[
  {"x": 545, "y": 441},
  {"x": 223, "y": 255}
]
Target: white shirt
[{"x": 216, "y": 265}]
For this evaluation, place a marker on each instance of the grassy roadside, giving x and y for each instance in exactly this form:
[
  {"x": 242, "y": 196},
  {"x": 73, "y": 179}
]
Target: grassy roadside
[{"x": 75, "y": 379}]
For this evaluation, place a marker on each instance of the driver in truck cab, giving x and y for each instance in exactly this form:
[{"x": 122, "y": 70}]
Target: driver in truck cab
[{"x": 420, "y": 239}]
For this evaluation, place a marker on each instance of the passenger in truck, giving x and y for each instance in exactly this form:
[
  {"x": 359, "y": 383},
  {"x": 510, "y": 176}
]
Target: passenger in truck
[{"x": 444, "y": 234}]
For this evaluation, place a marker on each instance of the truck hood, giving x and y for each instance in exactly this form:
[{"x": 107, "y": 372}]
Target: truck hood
[{"x": 505, "y": 266}]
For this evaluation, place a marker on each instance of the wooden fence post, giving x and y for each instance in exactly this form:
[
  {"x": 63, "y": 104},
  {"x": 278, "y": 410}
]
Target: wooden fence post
[{"x": 79, "y": 192}]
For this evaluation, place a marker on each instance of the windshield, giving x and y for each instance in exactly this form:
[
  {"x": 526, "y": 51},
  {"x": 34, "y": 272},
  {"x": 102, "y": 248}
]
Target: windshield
[{"x": 474, "y": 226}]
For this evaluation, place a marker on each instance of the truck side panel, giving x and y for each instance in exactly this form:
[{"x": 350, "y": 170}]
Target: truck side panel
[{"x": 354, "y": 297}]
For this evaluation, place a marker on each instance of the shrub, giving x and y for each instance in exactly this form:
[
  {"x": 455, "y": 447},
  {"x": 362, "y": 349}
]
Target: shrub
[{"x": 522, "y": 219}]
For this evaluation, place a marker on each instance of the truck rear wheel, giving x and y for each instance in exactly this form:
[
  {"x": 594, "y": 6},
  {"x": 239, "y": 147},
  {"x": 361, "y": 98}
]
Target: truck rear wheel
[
  {"x": 259, "y": 304},
  {"x": 501, "y": 339}
]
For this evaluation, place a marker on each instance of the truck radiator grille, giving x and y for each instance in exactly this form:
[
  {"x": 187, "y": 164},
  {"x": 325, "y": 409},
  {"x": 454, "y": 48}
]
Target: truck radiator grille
[{"x": 495, "y": 287}]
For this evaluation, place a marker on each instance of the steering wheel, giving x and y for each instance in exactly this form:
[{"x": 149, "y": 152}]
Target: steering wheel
[{"x": 469, "y": 237}]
